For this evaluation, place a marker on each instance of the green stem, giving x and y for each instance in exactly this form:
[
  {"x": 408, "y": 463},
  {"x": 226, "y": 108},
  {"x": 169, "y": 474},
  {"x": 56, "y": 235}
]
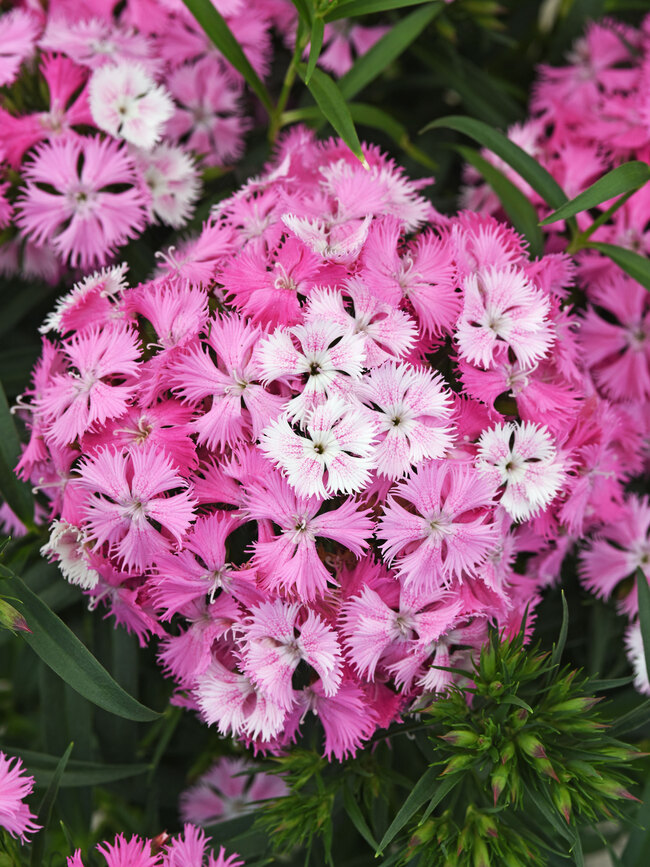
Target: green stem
[
  {"x": 287, "y": 84},
  {"x": 579, "y": 242}
]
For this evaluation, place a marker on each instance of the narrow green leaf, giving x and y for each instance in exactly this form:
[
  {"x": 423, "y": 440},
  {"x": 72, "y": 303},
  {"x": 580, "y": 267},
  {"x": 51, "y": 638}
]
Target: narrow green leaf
[
  {"x": 331, "y": 102},
  {"x": 356, "y": 817},
  {"x": 315, "y": 45},
  {"x": 61, "y": 650},
  {"x": 353, "y": 8},
  {"x": 17, "y": 494},
  {"x": 523, "y": 215},
  {"x": 636, "y": 266},
  {"x": 518, "y": 702},
  {"x": 632, "y": 720},
  {"x": 611, "y": 683},
  {"x": 621, "y": 180},
  {"x": 216, "y": 28},
  {"x": 576, "y": 850},
  {"x": 643, "y": 592},
  {"x": 422, "y": 791},
  {"x": 530, "y": 170},
  {"x": 637, "y": 848},
  {"x": 45, "y": 810},
  {"x": 43, "y": 767},
  {"x": 304, "y": 10},
  {"x": 558, "y": 649},
  {"x": 443, "y": 791},
  {"x": 387, "y": 49}
]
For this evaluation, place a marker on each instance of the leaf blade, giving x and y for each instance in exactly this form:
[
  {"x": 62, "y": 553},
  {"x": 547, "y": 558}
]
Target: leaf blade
[
  {"x": 16, "y": 493},
  {"x": 423, "y": 791},
  {"x": 315, "y": 45},
  {"x": 355, "y": 8},
  {"x": 356, "y": 817},
  {"x": 63, "y": 652},
  {"x": 331, "y": 102},
  {"x": 636, "y": 266},
  {"x": 45, "y": 809}
]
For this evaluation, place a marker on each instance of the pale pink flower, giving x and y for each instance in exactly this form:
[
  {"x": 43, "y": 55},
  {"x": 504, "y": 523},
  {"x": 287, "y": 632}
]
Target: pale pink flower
[
  {"x": 334, "y": 241},
  {"x": 71, "y": 548},
  {"x": 88, "y": 394},
  {"x": 446, "y": 528},
  {"x": 126, "y": 102},
  {"x": 276, "y": 637},
  {"x": 69, "y": 202},
  {"x": 226, "y": 791},
  {"x": 524, "y": 460},
  {"x": 173, "y": 182},
  {"x": 19, "y": 31},
  {"x": 94, "y": 42},
  {"x": 411, "y": 409},
  {"x": 90, "y": 301},
  {"x": 189, "y": 849},
  {"x": 15, "y": 786},
  {"x": 503, "y": 311},
  {"x": 129, "y": 500},
  {"x": 342, "y": 43},
  {"x": 335, "y": 455}
]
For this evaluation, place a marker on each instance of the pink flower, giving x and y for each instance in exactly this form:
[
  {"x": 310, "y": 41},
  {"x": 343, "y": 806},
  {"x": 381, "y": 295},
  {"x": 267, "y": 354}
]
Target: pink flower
[
  {"x": 87, "y": 393},
  {"x": 445, "y": 529},
  {"x": 503, "y": 311},
  {"x": 68, "y": 201},
  {"x": 173, "y": 181},
  {"x": 347, "y": 717},
  {"x": 92, "y": 301},
  {"x": 126, "y": 493},
  {"x": 410, "y": 409},
  {"x": 19, "y": 31},
  {"x": 524, "y": 460},
  {"x": 335, "y": 455},
  {"x": 15, "y": 786}
]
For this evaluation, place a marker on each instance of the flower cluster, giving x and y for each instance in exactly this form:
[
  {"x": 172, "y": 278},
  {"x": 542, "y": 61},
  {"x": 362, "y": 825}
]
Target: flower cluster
[
  {"x": 307, "y": 453},
  {"x": 15, "y": 786},
  {"x": 105, "y": 114},
  {"x": 189, "y": 849},
  {"x": 588, "y": 117}
]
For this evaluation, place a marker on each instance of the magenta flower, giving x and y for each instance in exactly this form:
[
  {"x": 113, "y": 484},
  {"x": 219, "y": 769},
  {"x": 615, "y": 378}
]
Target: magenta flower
[
  {"x": 68, "y": 201},
  {"x": 19, "y": 31},
  {"x": 445, "y": 530},
  {"x": 15, "y": 786},
  {"x": 129, "y": 497}
]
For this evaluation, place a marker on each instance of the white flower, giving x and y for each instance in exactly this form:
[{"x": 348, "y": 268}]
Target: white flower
[
  {"x": 636, "y": 655},
  {"x": 126, "y": 102},
  {"x": 173, "y": 181},
  {"x": 68, "y": 544},
  {"x": 523, "y": 458}
]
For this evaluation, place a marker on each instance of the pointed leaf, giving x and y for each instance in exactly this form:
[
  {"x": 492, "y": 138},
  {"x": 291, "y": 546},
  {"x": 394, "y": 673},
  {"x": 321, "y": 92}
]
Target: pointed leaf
[
  {"x": 443, "y": 791},
  {"x": 315, "y": 45},
  {"x": 612, "y": 683},
  {"x": 216, "y": 28},
  {"x": 528, "y": 168},
  {"x": 428, "y": 786},
  {"x": 43, "y": 767},
  {"x": 61, "y": 650},
  {"x": 622, "y": 179},
  {"x": 633, "y": 264},
  {"x": 558, "y": 649},
  {"x": 45, "y": 810},
  {"x": 371, "y": 64},
  {"x": 356, "y": 817},
  {"x": 16, "y": 494},
  {"x": 632, "y": 720},
  {"x": 304, "y": 10},
  {"x": 331, "y": 102},
  {"x": 523, "y": 215},
  {"x": 353, "y": 8}
]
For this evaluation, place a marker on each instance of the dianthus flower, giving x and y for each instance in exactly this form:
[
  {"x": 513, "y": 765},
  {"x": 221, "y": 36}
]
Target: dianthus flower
[{"x": 15, "y": 786}]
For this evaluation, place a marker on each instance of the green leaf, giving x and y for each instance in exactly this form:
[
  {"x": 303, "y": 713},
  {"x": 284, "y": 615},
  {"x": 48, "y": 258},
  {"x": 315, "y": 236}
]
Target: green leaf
[
  {"x": 17, "y": 494},
  {"x": 43, "y": 767},
  {"x": 637, "y": 848},
  {"x": 356, "y": 817},
  {"x": 61, "y": 650},
  {"x": 636, "y": 266},
  {"x": 442, "y": 792},
  {"x": 529, "y": 169},
  {"x": 422, "y": 791},
  {"x": 315, "y": 45},
  {"x": 623, "y": 179},
  {"x": 558, "y": 649},
  {"x": 45, "y": 810},
  {"x": 304, "y": 10},
  {"x": 518, "y": 702},
  {"x": 353, "y": 8},
  {"x": 331, "y": 102},
  {"x": 612, "y": 683},
  {"x": 216, "y": 28},
  {"x": 632, "y": 720},
  {"x": 523, "y": 215},
  {"x": 643, "y": 592},
  {"x": 387, "y": 49}
]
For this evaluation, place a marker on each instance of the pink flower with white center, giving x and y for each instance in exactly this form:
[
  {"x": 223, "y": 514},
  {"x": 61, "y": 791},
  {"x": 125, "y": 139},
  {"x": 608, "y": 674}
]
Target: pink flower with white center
[
  {"x": 177, "y": 312},
  {"x": 94, "y": 42},
  {"x": 94, "y": 299},
  {"x": 126, "y": 102},
  {"x": 70, "y": 546},
  {"x": 129, "y": 499},
  {"x": 411, "y": 407},
  {"x": 336, "y": 241},
  {"x": 15, "y": 786},
  {"x": 232, "y": 702},
  {"x": 389, "y": 332},
  {"x": 239, "y": 404},
  {"x": 19, "y": 31},
  {"x": 503, "y": 311},
  {"x": 208, "y": 115},
  {"x": 173, "y": 182},
  {"x": 226, "y": 791},
  {"x": 335, "y": 455},
  {"x": 276, "y": 637},
  {"x": 88, "y": 394},
  {"x": 69, "y": 202},
  {"x": 330, "y": 357},
  {"x": 444, "y": 528},
  {"x": 290, "y": 561},
  {"x": 618, "y": 550},
  {"x": 523, "y": 460}
]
